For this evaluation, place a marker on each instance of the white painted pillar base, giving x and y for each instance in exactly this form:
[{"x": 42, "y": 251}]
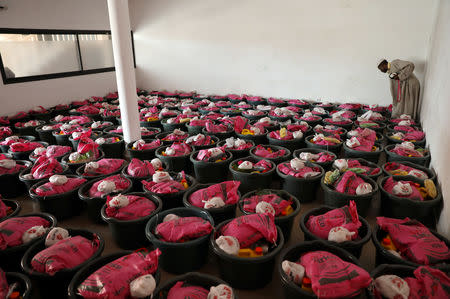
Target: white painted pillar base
[{"x": 119, "y": 19}]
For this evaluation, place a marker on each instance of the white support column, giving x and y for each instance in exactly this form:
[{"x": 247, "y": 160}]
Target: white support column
[{"x": 119, "y": 19}]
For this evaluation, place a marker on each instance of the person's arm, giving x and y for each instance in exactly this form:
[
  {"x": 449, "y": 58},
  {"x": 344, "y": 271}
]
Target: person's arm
[{"x": 404, "y": 69}]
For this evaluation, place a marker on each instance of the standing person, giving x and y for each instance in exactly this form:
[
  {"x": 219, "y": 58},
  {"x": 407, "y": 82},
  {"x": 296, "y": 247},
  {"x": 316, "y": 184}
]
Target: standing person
[{"x": 405, "y": 87}]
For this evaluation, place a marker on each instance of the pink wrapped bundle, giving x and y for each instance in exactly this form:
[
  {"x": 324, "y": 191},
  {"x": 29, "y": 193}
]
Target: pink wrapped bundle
[
  {"x": 5, "y": 132},
  {"x": 235, "y": 97},
  {"x": 80, "y": 103},
  {"x": 415, "y": 194},
  {"x": 171, "y": 186},
  {"x": 227, "y": 191},
  {"x": 309, "y": 118},
  {"x": 365, "y": 144},
  {"x": 45, "y": 167},
  {"x": 55, "y": 151},
  {"x": 83, "y": 134},
  {"x": 4, "y": 288},
  {"x": 351, "y": 106},
  {"x": 332, "y": 277},
  {"x": 240, "y": 123},
  {"x": 414, "y": 241},
  {"x": 261, "y": 166},
  {"x": 80, "y": 119},
  {"x": 346, "y": 216},
  {"x": 294, "y": 109},
  {"x": 304, "y": 172},
  {"x": 324, "y": 140},
  {"x": 345, "y": 114},
  {"x": 69, "y": 129},
  {"x": 31, "y": 123},
  {"x": 213, "y": 116},
  {"x": 168, "y": 93},
  {"x": 167, "y": 114},
  {"x": 199, "y": 140},
  {"x": 297, "y": 127},
  {"x": 324, "y": 157},
  {"x": 88, "y": 109},
  {"x": 429, "y": 283},
  {"x": 4, "y": 120},
  {"x": 330, "y": 130},
  {"x": 150, "y": 145},
  {"x": 344, "y": 121},
  {"x": 268, "y": 152},
  {"x": 297, "y": 102},
  {"x": 113, "y": 280},
  {"x": 208, "y": 108},
  {"x": 256, "y": 113},
  {"x": 13, "y": 229},
  {"x": 198, "y": 122},
  {"x": 62, "y": 107},
  {"x": 405, "y": 152},
  {"x": 348, "y": 182},
  {"x": 177, "y": 149},
  {"x": 375, "y": 108},
  {"x": 277, "y": 135},
  {"x": 107, "y": 113},
  {"x": 249, "y": 229},
  {"x": 105, "y": 166},
  {"x": 404, "y": 128},
  {"x": 278, "y": 203},
  {"x": 140, "y": 169},
  {"x": 183, "y": 229},
  {"x": 212, "y": 128},
  {"x": 7, "y": 170},
  {"x": 253, "y": 99},
  {"x": 181, "y": 290},
  {"x": 397, "y": 120},
  {"x": 65, "y": 254},
  {"x": 49, "y": 189},
  {"x": 120, "y": 182},
  {"x": 137, "y": 207},
  {"x": 11, "y": 141},
  {"x": 88, "y": 145},
  {"x": 241, "y": 105},
  {"x": 3, "y": 209},
  {"x": 223, "y": 104},
  {"x": 396, "y": 168},
  {"x": 24, "y": 146},
  {"x": 415, "y": 135},
  {"x": 355, "y": 164},
  {"x": 176, "y": 137},
  {"x": 275, "y": 101},
  {"x": 18, "y": 115},
  {"x": 211, "y": 155}
]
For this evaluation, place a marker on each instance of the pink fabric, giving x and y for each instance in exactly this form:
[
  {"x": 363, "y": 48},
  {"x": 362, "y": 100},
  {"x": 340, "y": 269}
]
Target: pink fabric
[
  {"x": 88, "y": 109},
  {"x": 183, "y": 229},
  {"x": 121, "y": 184},
  {"x": 276, "y": 135},
  {"x": 181, "y": 149},
  {"x": 205, "y": 156},
  {"x": 376, "y": 109},
  {"x": 275, "y": 101},
  {"x": 24, "y": 146},
  {"x": 113, "y": 280},
  {"x": 49, "y": 189},
  {"x": 330, "y": 130},
  {"x": 212, "y": 128},
  {"x": 88, "y": 145},
  {"x": 253, "y": 99},
  {"x": 11, "y": 141},
  {"x": 392, "y": 166},
  {"x": 310, "y": 118},
  {"x": 415, "y": 195},
  {"x": 297, "y": 127},
  {"x": 241, "y": 147},
  {"x": 70, "y": 130},
  {"x": 151, "y": 145},
  {"x": 348, "y": 182},
  {"x": 322, "y": 141},
  {"x": 16, "y": 169},
  {"x": 297, "y": 102},
  {"x": 65, "y": 254},
  {"x": 414, "y": 135},
  {"x": 140, "y": 169},
  {"x": 45, "y": 167},
  {"x": 81, "y": 119},
  {"x": 278, "y": 203},
  {"x": 405, "y": 152},
  {"x": 350, "y": 106},
  {"x": 365, "y": 169},
  {"x": 302, "y": 173},
  {"x": 12, "y": 229},
  {"x": 240, "y": 123},
  {"x": 4, "y": 288},
  {"x": 138, "y": 207},
  {"x": 342, "y": 122},
  {"x": 346, "y": 216},
  {"x": 31, "y": 123},
  {"x": 167, "y": 187},
  {"x": 3, "y": 209},
  {"x": 261, "y": 151},
  {"x": 332, "y": 277},
  {"x": 55, "y": 151},
  {"x": 366, "y": 138},
  {"x": 5, "y": 132},
  {"x": 84, "y": 134},
  {"x": 249, "y": 229},
  {"x": 397, "y": 120},
  {"x": 106, "y": 166},
  {"x": 324, "y": 157},
  {"x": 428, "y": 283},
  {"x": 404, "y": 128},
  {"x": 227, "y": 191},
  {"x": 180, "y": 291},
  {"x": 205, "y": 140},
  {"x": 80, "y": 103},
  {"x": 198, "y": 122},
  {"x": 414, "y": 241},
  {"x": 174, "y": 137}
]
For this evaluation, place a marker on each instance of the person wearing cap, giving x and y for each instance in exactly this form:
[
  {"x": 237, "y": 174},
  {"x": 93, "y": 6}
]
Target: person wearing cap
[{"x": 405, "y": 87}]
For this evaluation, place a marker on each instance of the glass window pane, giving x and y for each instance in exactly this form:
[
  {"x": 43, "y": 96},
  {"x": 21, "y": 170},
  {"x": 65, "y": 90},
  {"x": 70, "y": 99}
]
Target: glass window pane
[
  {"x": 96, "y": 51},
  {"x": 38, "y": 54}
]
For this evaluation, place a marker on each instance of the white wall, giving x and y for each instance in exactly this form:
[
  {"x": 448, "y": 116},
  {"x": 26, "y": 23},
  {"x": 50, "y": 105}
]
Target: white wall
[
  {"x": 325, "y": 49},
  {"x": 436, "y": 107},
  {"x": 50, "y": 14}
]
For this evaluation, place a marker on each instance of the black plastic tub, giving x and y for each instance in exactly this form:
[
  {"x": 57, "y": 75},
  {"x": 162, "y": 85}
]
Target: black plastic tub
[
  {"x": 332, "y": 148},
  {"x": 150, "y": 124},
  {"x": 14, "y": 206},
  {"x": 47, "y": 135},
  {"x": 237, "y": 153},
  {"x": 173, "y": 200},
  {"x": 10, "y": 257},
  {"x": 111, "y": 119},
  {"x": 80, "y": 171},
  {"x": 82, "y": 274},
  {"x": 430, "y": 172},
  {"x": 369, "y": 164},
  {"x": 276, "y": 160},
  {"x": 29, "y": 131},
  {"x": 372, "y": 156},
  {"x": 24, "y": 155},
  {"x": 419, "y": 143},
  {"x": 10, "y": 184},
  {"x": 293, "y": 254},
  {"x": 180, "y": 257},
  {"x": 24, "y": 285},
  {"x": 113, "y": 150},
  {"x": 303, "y": 188},
  {"x": 211, "y": 172},
  {"x": 95, "y": 204},
  {"x": 257, "y": 139},
  {"x": 30, "y": 182},
  {"x": 393, "y": 157},
  {"x": 385, "y": 257},
  {"x": 218, "y": 214},
  {"x": 61, "y": 139},
  {"x": 325, "y": 165},
  {"x": 220, "y": 135},
  {"x": 354, "y": 247},
  {"x": 170, "y": 127},
  {"x": 394, "y": 206},
  {"x": 380, "y": 129},
  {"x": 63, "y": 206},
  {"x": 284, "y": 222},
  {"x": 192, "y": 279},
  {"x": 141, "y": 154},
  {"x": 387, "y": 269},
  {"x": 194, "y": 130},
  {"x": 130, "y": 234},
  {"x": 137, "y": 185},
  {"x": 252, "y": 181},
  {"x": 55, "y": 286},
  {"x": 245, "y": 273},
  {"x": 169, "y": 142},
  {"x": 348, "y": 127},
  {"x": 214, "y": 143},
  {"x": 291, "y": 145},
  {"x": 336, "y": 199},
  {"x": 254, "y": 117},
  {"x": 74, "y": 166},
  {"x": 174, "y": 163},
  {"x": 94, "y": 135}
]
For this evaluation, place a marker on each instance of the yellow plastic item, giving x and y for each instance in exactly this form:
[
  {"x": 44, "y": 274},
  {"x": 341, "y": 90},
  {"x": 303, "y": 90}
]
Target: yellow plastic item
[
  {"x": 288, "y": 210},
  {"x": 185, "y": 120},
  {"x": 306, "y": 284},
  {"x": 248, "y": 252},
  {"x": 283, "y": 132},
  {"x": 399, "y": 172},
  {"x": 388, "y": 244},
  {"x": 152, "y": 118},
  {"x": 184, "y": 183},
  {"x": 332, "y": 139},
  {"x": 423, "y": 192},
  {"x": 430, "y": 187},
  {"x": 247, "y": 132}
]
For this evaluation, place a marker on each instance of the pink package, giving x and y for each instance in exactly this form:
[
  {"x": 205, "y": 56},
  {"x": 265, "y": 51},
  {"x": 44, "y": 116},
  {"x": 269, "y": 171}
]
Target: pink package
[
  {"x": 406, "y": 152},
  {"x": 55, "y": 151},
  {"x": 183, "y": 229},
  {"x": 392, "y": 166},
  {"x": 276, "y": 135},
  {"x": 45, "y": 167},
  {"x": 106, "y": 166},
  {"x": 167, "y": 187},
  {"x": 390, "y": 183},
  {"x": 88, "y": 109},
  {"x": 261, "y": 151},
  {"x": 15, "y": 169},
  {"x": 140, "y": 169},
  {"x": 415, "y": 241},
  {"x": 227, "y": 191},
  {"x": 324, "y": 157},
  {"x": 84, "y": 134},
  {"x": 278, "y": 203},
  {"x": 212, "y": 128},
  {"x": 404, "y": 128},
  {"x": 137, "y": 207},
  {"x": 239, "y": 124},
  {"x": 332, "y": 277},
  {"x": 65, "y": 254},
  {"x": 12, "y": 229},
  {"x": 4, "y": 288},
  {"x": 205, "y": 140},
  {"x": 248, "y": 229},
  {"x": 121, "y": 184},
  {"x": 5, "y": 132},
  {"x": 350, "y": 106},
  {"x": 344, "y": 121},
  {"x": 348, "y": 183},
  {"x": 24, "y": 146},
  {"x": 113, "y": 279},
  {"x": 49, "y": 189},
  {"x": 302, "y": 173},
  {"x": 181, "y": 149},
  {"x": 414, "y": 135},
  {"x": 198, "y": 122},
  {"x": 429, "y": 284},
  {"x": 3, "y": 208},
  {"x": 87, "y": 145},
  {"x": 352, "y": 163},
  {"x": 346, "y": 216},
  {"x": 175, "y": 137}
]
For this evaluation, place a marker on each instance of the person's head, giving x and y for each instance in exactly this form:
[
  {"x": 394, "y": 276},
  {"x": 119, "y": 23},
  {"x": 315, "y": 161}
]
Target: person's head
[{"x": 383, "y": 66}]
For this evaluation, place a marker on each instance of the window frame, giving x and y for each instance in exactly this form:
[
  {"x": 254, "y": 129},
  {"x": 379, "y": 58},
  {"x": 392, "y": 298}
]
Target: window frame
[{"x": 62, "y": 74}]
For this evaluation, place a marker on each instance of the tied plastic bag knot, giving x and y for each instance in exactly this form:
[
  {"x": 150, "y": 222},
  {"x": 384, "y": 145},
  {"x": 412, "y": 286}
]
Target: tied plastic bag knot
[
  {"x": 264, "y": 207},
  {"x": 157, "y": 164},
  {"x": 297, "y": 164},
  {"x": 161, "y": 176},
  {"x": 229, "y": 244},
  {"x": 392, "y": 287},
  {"x": 7, "y": 163},
  {"x": 143, "y": 286},
  {"x": 294, "y": 271},
  {"x": 213, "y": 203},
  {"x": 33, "y": 233},
  {"x": 58, "y": 179},
  {"x": 91, "y": 167},
  {"x": 119, "y": 201},
  {"x": 170, "y": 217},
  {"x": 341, "y": 164},
  {"x": 308, "y": 156},
  {"x": 363, "y": 188},
  {"x": 297, "y": 134},
  {"x": 76, "y": 135},
  {"x": 405, "y": 116},
  {"x": 138, "y": 144},
  {"x": 404, "y": 123},
  {"x": 222, "y": 291},
  {"x": 246, "y": 165},
  {"x": 407, "y": 145},
  {"x": 39, "y": 151},
  {"x": 353, "y": 142},
  {"x": 178, "y": 132},
  {"x": 401, "y": 188},
  {"x": 74, "y": 156},
  {"x": 55, "y": 235},
  {"x": 100, "y": 141},
  {"x": 398, "y": 135},
  {"x": 106, "y": 187},
  {"x": 12, "y": 138},
  {"x": 340, "y": 234}
]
